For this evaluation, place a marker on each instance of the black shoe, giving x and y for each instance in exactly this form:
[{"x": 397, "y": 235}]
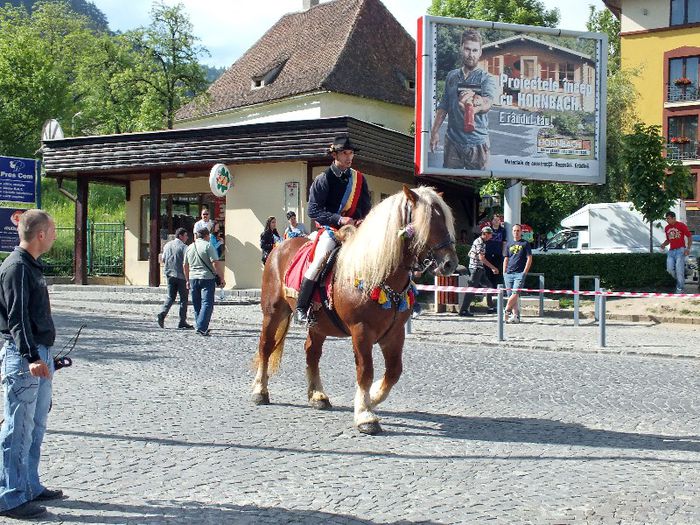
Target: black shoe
[
  {"x": 49, "y": 494},
  {"x": 204, "y": 333},
  {"x": 491, "y": 310},
  {"x": 26, "y": 511},
  {"x": 301, "y": 317},
  {"x": 161, "y": 319},
  {"x": 465, "y": 313},
  {"x": 185, "y": 327}
]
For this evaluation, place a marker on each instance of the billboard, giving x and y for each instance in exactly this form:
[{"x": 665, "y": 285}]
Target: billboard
[
  {"x": 9, "y": 219},
  {"x": 510, "y": 101},
  {"x": 18, "y": 178}
]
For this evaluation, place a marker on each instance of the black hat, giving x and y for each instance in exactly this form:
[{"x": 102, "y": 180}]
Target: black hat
[{"x": 341, "y": 143}]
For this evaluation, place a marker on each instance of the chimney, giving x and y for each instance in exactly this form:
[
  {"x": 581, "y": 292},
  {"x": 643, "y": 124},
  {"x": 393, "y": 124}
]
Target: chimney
[{"x": 308, "y": 4}]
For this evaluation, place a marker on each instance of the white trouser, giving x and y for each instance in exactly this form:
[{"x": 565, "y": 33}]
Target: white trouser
[{"x": 324, "y": 247}]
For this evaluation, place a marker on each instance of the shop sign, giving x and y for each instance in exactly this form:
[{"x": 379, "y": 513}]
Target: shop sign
[{"x": 220, "y": 180}]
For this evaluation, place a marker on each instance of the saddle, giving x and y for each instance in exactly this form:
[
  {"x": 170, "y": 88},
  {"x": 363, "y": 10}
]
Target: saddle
[
  {"x": 297, "y": 268},
  {"x": 323, "y": 292}
]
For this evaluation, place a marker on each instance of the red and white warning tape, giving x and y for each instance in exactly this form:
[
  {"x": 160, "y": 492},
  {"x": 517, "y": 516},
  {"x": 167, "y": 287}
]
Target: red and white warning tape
[{"x": 481, "y": 291}]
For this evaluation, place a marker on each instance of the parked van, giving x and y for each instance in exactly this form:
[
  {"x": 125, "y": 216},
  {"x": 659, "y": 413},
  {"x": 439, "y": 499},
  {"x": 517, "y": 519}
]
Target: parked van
[{"x": 608, "y": 227}]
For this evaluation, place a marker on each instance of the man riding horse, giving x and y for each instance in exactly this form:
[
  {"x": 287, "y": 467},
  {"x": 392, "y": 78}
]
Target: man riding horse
[{"x": 338, "y": 196}]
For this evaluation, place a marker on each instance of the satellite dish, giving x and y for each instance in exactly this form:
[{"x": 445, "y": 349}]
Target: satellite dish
[{"x": 51, "y": 130}]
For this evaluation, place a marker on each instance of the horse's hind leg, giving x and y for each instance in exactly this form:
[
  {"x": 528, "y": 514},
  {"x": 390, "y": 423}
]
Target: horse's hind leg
[
  {"x": 314, "y": 348},
  {"x": 272, "y": 335},
  {"x": 392, "y": 349}
]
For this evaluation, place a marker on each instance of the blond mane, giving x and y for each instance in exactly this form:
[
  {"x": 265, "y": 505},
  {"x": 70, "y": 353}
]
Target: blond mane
[{"x": 375, "y": 251}]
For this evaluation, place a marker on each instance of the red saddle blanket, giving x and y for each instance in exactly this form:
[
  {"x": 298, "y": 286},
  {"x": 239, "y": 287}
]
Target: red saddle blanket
[{"x": 296, "y": 270}]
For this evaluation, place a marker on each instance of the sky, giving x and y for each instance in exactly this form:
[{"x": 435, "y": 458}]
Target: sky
[{"x": 228, "y": 28}]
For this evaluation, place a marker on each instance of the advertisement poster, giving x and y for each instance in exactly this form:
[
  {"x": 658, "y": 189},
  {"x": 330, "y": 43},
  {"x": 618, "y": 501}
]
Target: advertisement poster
[
  {"x": 9, "y": 219},
  {"x": 18, "y": 179},
  {"x": 509, "y": 101}
]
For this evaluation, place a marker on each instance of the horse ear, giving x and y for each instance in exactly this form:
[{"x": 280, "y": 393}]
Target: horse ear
[
  {"x": 441, "y": 194},
  {"x": 410, "y": 194}
]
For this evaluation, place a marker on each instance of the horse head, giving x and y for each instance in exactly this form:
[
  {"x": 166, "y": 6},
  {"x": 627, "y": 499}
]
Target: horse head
[{"x": 434, "y": 224}]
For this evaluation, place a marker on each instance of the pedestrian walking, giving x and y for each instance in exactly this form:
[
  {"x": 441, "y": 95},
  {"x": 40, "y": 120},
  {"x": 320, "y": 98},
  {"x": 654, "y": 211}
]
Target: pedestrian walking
[
  {"x": 516, "y": 265},
  {"x": 477, "y": 278},
  {"x": 203, "y": 274},
  {"x": 678, "y": 240},
  {"x": 27, "y": 368},
  {"x": 173, "y": 259}
]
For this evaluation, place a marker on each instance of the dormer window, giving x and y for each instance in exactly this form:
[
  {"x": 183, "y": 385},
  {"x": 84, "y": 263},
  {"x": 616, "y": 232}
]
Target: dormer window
[
  {"x": 408, "y": 83},
  {"x": 269, "y": 77}
]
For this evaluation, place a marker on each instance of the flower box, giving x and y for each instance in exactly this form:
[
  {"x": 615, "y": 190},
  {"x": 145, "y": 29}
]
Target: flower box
[
  {"x": 682, "y": 81},
  {"x": 680, "y": 140}
]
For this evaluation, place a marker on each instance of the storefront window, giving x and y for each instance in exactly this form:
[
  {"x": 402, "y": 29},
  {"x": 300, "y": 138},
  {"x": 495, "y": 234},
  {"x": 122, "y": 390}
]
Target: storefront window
[{"x": 179, "y": 210}]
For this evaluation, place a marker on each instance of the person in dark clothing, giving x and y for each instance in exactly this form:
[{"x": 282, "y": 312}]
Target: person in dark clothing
[
  {"x": 494, "y": 254},
  {"x": 27, "y": 368},
  {"x": 173, "y": 258},
  {"x": 337, "y": 197},
  {"x": 269, "y": 238}
]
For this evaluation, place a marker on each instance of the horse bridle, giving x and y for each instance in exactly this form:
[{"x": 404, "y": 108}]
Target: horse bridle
[{"x": 430, "y": 259}]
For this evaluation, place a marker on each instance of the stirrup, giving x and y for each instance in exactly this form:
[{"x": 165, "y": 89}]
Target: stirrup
[{"x": 301, "y": 317}]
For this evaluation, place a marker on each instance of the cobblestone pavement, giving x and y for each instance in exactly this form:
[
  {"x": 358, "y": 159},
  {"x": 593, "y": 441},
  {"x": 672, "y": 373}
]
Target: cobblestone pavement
[{"x": 156, "y": 426}]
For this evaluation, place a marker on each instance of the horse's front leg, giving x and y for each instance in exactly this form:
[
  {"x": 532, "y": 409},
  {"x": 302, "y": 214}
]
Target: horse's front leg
[
  {"x": 392, "y": 349},
  {"x": 366, "y": 420},
  {"x": 314, "y": 348}
]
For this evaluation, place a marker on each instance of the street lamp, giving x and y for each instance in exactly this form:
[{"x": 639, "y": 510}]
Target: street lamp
[{"x": 72, "y": 123}]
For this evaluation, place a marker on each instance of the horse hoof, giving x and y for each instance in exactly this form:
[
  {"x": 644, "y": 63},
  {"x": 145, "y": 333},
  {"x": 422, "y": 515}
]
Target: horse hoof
[
  {"x": 320, "y": 404},
  {"x": 261, "y": 399},
  {"x": 369, "y": 428}
]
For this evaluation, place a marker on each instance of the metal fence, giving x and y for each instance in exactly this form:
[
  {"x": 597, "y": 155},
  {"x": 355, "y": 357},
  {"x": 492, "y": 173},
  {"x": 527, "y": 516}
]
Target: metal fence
[{"x": 105, "y": 250}]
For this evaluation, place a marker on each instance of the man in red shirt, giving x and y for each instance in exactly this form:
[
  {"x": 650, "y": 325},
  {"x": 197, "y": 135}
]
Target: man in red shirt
[{"x": 679, "y": 239}]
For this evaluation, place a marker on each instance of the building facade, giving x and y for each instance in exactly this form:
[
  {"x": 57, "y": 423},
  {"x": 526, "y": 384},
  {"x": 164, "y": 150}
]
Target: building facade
[{"x": 661, "y": 40}]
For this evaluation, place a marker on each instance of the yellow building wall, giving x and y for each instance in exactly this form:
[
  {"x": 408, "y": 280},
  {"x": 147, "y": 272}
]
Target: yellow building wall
[
  {"x": 391, "y": 116},
  {"x": 258, "y": 192},
  {"x": 645, "y": 52}
]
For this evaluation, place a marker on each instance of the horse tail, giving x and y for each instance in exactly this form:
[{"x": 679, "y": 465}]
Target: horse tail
[{"x": 273, "y": 364}]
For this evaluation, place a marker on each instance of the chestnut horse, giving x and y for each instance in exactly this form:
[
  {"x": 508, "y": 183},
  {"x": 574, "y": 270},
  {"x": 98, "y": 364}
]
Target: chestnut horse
[{"x": 408, "y": 226}]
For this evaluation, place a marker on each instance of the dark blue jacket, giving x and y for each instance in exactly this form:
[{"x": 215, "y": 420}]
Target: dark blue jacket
[
  {"x": 25, "y": 312},
  {"x": 326, "y": 195}
]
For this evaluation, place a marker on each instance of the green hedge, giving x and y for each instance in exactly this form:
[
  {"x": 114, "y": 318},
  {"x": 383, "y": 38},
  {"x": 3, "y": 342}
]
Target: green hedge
[{"x": 617, "y": 271}]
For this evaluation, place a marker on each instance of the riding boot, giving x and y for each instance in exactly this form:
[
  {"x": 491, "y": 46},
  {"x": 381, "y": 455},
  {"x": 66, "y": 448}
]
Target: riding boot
[{"x": 301, "y": 315}]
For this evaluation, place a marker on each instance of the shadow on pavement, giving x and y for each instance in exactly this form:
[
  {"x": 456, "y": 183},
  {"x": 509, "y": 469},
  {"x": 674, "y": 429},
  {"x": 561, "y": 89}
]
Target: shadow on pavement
[{"x": 189, "y": 512}]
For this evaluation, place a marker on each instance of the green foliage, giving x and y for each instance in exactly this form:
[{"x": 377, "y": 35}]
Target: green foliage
[
  {"x": 96, "y": 18},
  {"x": 655, "y": 181},
  {"x": 604, "y": 21},
  {"x": 529, "y": 12},
  {"x": 169, "y": 67},
  {"x": 617, "y": 271}
]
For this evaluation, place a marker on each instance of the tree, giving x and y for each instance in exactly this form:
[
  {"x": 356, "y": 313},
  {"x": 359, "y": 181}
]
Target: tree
[
  {"x": 529, "y": 12},
  {"x": 96, "y": 18},
  {"x": 170, "y": 67},
  {"x": 655, "y": 180},
  {"x": 39, "y": 54},
  {"x": 604, "y": 21}
]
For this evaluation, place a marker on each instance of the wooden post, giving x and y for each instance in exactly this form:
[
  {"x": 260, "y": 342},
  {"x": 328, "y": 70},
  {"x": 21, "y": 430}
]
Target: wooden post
[
  {"x": 81, "y": 215},
  {"x": 154, "y": 232}
]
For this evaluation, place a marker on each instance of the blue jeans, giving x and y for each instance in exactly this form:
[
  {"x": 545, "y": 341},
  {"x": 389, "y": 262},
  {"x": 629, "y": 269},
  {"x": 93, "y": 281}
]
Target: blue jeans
[
  {"x": 27, "y": 403},
  {"x": 202, "y": 302},
  {"x": 513, "y": 280},
  {"x": 675, "y": 265},
  {"x": 176, "y": 286}
]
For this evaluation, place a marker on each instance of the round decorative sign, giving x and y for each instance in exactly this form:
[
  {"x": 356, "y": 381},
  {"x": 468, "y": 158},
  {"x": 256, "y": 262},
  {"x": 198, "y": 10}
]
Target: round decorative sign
[{"x": 220, "y": 180}]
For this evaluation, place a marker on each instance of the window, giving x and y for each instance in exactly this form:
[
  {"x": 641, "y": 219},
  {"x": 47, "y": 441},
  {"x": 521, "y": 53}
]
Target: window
[
  {"x": 685, "y": 12},
  {"x": 682, "y": 137},
  {"x": 683, "y": 79},
  {"x": 269, "y": 77},
  {"x": 178, "y": 211},
  {"x": 548, "y": 71},
  {"x": 566, "y": 71}
]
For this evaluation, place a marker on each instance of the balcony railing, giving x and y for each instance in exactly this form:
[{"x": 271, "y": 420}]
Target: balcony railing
[
  {"x": 689, "y": 93},
  {"x": 685, "y": 151}
]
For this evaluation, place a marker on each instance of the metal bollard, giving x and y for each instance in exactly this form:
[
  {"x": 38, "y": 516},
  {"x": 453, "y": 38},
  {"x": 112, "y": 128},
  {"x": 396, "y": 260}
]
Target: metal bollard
[
  {"x": 541, "y": 296},
  {"x": 601, "y": 322},
  {"x": 577, "y": 283},
  {"x": 499, "y": 307},
  {"x": 596, "y": 312},
  {"x": 407, "y": 326}
]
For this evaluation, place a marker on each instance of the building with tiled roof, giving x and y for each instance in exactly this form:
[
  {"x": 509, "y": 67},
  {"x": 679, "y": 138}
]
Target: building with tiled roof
[
  {"x": 344, "y": 57},
  {"x": 660, "y": 40}
]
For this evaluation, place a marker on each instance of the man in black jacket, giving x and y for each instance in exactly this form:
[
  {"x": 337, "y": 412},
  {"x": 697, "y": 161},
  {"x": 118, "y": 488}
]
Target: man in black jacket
[
  {"x": 27, "y": 368},
  {"x": 337, "y": 197}
]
